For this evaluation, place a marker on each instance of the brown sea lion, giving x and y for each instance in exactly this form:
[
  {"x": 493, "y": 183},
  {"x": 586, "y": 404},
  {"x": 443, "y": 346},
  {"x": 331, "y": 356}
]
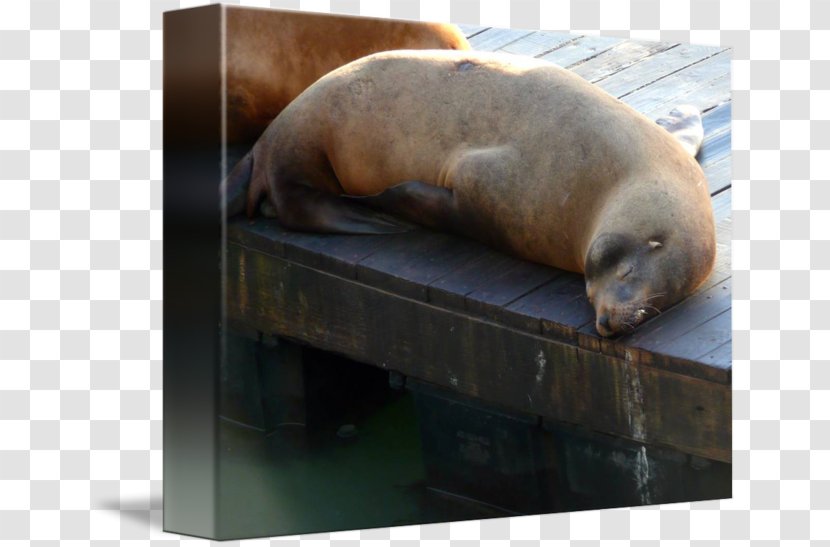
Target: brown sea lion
[
  {"x": 510, "y": 150},
  {"x": 273, "y": 55}
]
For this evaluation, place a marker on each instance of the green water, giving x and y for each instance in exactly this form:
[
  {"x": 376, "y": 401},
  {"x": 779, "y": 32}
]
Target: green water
[{"x": 300, "y": 481}]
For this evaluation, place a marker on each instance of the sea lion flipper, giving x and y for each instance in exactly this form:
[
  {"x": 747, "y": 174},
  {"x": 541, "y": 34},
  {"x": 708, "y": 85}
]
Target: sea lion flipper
[
  {"x": 686, "y": 124},
  {"x": 416, "y": 201},
  {"x": 234, "y": 188},
  {"x": 307, "y": 209}
]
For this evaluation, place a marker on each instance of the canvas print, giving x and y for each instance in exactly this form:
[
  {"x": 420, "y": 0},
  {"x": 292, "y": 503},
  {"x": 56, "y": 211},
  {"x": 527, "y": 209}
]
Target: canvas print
[{"x": 417, "y": 272}]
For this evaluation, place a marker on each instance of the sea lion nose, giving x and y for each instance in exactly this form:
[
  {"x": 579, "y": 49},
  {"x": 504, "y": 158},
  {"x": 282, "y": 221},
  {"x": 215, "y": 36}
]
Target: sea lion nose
[{"x": 604, "y": 322}]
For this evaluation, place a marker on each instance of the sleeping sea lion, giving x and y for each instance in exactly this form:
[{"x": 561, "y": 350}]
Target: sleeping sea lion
[{"x": 510, "y": 150}]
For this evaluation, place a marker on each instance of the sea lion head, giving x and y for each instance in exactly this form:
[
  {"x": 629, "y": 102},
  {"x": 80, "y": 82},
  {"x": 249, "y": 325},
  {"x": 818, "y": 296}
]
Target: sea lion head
[
  {"x": 626, "y": 280},
  {"x": 631, "y": 277},
  {"x": 652, "y": 246}
]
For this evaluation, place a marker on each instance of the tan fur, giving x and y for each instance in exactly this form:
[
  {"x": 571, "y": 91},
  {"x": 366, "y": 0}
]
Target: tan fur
[
  {"x": 542, "y": 160},
  {"x": 274, "y": 55}
]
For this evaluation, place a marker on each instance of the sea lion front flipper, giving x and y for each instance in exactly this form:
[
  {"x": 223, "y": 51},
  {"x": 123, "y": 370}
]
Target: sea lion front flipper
[
  {"x": 685, "y": 123},
  {"x": 425, "y": 204},
  {"x": 234, "y": 188},
  {"x": 307, "y": 209}
]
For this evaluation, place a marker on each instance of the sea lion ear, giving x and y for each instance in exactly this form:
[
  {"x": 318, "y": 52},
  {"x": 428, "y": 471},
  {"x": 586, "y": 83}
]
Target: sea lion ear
[
  {"x": 654, "y": 244},
  {"x": 686, "y": 125}
]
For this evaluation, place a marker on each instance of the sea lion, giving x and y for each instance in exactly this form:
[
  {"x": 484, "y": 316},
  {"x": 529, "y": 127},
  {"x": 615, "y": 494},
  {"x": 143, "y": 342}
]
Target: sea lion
[
  {"x": 273, "y": 55},
  {"x": 511, "y": 150}
]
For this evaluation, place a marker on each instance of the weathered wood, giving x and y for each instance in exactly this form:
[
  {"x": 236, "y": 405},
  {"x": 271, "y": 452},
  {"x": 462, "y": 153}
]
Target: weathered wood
[
  {"x": 719, "y": 175},
  {"x": 407, "y": 263},
  {"x": 525, "y": 372},
  {"x": 495, "y": 38},
  {"x": 715, "y": 147},
  {"x": 652, "y": 340},
  {"x": 501, "y": 288},
  {"x": 471, "y": 30},
  {"x": 706, "y": 338},
  {"x": 655, "y": 68},
  {"x": 558, "y": 308},
  {"x": 539, "y": 43},
  {"x": 580, "y": 50},
  {"x": 451, "y": 289},
  {"x": 338, "y": 254},
  {"x": 489, "y": 298},
  {"x": 718, "y": 119},
  {"x": 722, "y": 205},
  {"x": 723, "y": 259},
  {"x": 684, "y": 86},
  {"x": 597, "y": 471},
  {"x": 621, "y": 56},
  {"x": 708, "y": 95},
  {"x": 715, "y": 153},
  {"x": 721, "y": 357}
]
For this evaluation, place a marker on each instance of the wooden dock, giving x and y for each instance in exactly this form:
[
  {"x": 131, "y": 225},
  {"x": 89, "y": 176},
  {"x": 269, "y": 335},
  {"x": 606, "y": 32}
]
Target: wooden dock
[{"x": 518, "y": 335}]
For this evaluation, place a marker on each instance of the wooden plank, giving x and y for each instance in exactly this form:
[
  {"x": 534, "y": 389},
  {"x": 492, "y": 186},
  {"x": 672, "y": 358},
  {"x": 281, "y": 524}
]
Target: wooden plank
[
  {"x": 683, "y": 86},
  {"x": 558, "y": 308},
  {"x": 718, "y": 119},
  {"x": 337, "y": 254},
  {"x": 723, "y": 260},
  {"x": 715, "y": 147},
  {"x": 653, "y": 400},
  {"x": 501, "y": 287},
  {"x": 704, "y": 338},
  {"x": 654, "y": 68},
  {"x": 660, "y": 332},
  {"x": 719, "y": 175},
  {"x": 722, "y": 206},
  {"x": 705, "y": 96},
  {"x": 257, "y": 234},
  {"x": 715, "y": 153},
  {"x": 407, "y": 263},
  {"x": 539, "y": 43},
  {"x": 521, "y": 278},
  {"x": 495, "y": 38},
  {"x": 717, "y": 125},
  {"x": 719, "y": 357},
  {"x": 451, "y": 290},
  {"x": 621, "y": 56},
  {"x": 580, "y": 50},
  {"x": 471, "y": 30},
  {"x": 579, "y": 310},
  {"x": 527, "y": 373}
]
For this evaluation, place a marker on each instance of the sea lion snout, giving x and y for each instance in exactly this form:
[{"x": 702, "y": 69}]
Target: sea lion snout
[{"x": 621, "y": 317}]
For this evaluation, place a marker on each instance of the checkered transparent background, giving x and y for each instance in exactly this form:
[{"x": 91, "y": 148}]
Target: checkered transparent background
[{"x": 80, "y": 268}]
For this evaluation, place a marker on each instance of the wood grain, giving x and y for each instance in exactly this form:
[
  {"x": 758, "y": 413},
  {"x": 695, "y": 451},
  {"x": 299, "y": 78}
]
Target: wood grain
[{"x": 525, "y": 372}]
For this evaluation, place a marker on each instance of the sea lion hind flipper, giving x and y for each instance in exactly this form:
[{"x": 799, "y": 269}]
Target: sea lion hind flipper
[
  {"x": 686, "y": 124},
  {"x": 425, "y": 204},
  {"x": 306, "y": 209}
]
